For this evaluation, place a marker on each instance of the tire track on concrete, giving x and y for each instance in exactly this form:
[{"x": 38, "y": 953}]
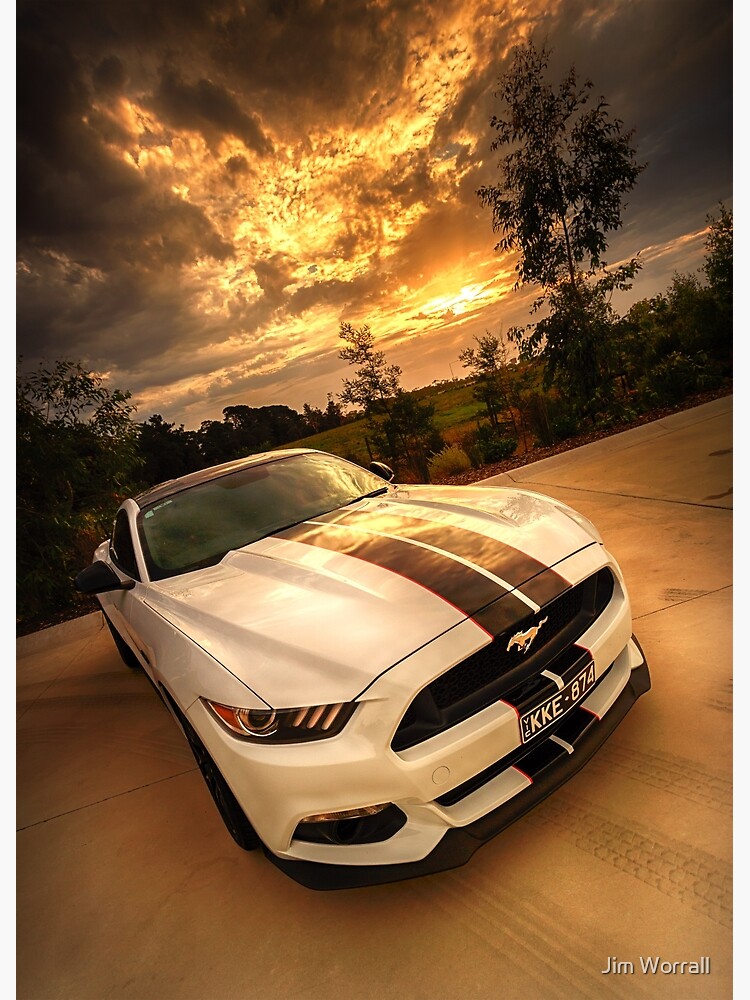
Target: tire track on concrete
[
  {"x": 541, "y": 957},
  {"x": 677, "y": 775},
  {"x": 722, "y": 698},
  {"x": 696, "y": 878}
]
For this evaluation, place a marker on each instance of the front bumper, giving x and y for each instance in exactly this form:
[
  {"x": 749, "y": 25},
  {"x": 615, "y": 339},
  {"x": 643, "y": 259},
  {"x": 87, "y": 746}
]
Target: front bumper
[{"x": 545, "y": 772}]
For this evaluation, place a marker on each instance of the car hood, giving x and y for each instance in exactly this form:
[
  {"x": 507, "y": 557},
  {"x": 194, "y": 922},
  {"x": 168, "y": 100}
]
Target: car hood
[{"x": 313, "y": 614}]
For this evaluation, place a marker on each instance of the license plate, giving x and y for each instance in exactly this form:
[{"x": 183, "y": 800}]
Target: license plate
[{"x": 542, "y": 717}]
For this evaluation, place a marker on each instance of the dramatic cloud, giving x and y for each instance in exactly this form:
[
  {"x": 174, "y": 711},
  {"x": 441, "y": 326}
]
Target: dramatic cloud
[{"x": 207, "y": 189}]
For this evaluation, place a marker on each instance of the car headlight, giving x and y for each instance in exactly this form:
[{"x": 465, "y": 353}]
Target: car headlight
[{"x": 284, "y": 725}]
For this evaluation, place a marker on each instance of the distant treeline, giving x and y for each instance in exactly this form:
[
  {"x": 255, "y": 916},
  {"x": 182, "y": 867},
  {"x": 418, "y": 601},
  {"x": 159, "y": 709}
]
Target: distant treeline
[{"x": 168, "y": 451}]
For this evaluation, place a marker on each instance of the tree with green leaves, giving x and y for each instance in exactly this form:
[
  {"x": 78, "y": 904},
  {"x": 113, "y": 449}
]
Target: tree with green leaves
[
  {"x": 680, "y": 341},
  {"x": 167, "y": 451},
  {"x": 489, "y": 363},
  {"x": 401, "y": 426},
  {"x": 76, "y": 459},
  {"x": 376, "y": 382},
  {"x": 719, "y": 264},
  {"x": 567, "y": 168},
  {"x": 318, "y": 420},
  {"x": 499, "y": 381},
  {"x": 719, "y": 269}
]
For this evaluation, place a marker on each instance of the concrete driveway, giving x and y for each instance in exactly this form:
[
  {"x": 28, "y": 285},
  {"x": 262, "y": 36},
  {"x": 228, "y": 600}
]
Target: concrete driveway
[{"x": 129, "y": 886}]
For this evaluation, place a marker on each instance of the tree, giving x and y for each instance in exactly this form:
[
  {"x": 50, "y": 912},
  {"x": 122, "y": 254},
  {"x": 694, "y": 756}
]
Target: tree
[
  {"x": 260, "y": 427},
  {"x": 499, "y": 384},
  {"x": 687, "y": 329},
  {"x": 313, "y": 418},
  {"x": 76, "y": 458},
  {"x": 218, "y": 442},
  {"x": 718, "y": 269},
  {"x": 332, "y": 417},
  {"x": 401, "y": 426},
  {"x": 167, "y": 451},
  {"x": 677, "y": 342},
  {"x": 560, "y": 195},
  {"x": 719, "y": 254},
  {"x": 318, "y": 420},
  {"x": 376, "y": 382},
  {"x": 489, "y": 364},
  {"x": 408, "y": 436}
]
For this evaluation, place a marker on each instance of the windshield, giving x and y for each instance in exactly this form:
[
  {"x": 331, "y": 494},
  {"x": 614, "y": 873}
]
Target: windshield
[{"x": 199, "y": 525}]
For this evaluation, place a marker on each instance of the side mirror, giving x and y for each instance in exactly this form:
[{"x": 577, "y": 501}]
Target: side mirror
[
  {"x": 98, "y": 578},
  {"x": 384, "y": 471}
]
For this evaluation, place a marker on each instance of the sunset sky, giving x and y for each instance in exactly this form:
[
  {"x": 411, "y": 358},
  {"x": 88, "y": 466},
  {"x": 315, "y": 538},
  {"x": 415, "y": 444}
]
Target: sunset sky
[{"x": 205, "y": 190}]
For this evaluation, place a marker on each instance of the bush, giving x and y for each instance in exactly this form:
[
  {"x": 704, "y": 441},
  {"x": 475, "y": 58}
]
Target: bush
[
  {"x": 451, "y": 461},
  {"x": 677, "y": 376},
  {"x": 550, "y": 417},
  {"x": 494, "y": 447},
  {"x": 76, "y": 458},
  {"x": 564, "y": 426}
]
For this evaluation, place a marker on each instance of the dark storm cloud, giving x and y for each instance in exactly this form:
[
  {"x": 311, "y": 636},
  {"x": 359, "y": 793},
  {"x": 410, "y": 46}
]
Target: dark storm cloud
[
  {"x": 124, "y": 318},
  {"x": 75, "y": 194},
  {"x": 409, "y": 180},
  {"x": 274, "y": 274},
  {"x": 109, "y": 76},
  {"x": 207, "y": 108},
  {"x": 93, "y": 234},
  {"x": 237, "y": 165},
  {"x": 332, "y": 56}
]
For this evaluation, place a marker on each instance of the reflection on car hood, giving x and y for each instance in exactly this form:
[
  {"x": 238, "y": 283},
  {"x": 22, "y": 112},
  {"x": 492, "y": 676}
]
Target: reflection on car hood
[{"x": 315, "y": 613}]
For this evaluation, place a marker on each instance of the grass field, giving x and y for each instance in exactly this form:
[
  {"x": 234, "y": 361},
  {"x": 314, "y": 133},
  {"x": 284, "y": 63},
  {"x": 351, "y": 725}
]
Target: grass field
[{"x": 456, "y": 410}]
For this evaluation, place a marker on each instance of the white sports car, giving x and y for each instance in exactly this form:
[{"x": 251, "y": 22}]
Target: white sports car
[{"x": 374, "y": 679}]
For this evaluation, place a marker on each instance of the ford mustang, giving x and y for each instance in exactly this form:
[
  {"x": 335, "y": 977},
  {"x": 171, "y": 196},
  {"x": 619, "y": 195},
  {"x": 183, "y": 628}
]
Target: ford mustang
[{"x": 374, "y": 679}]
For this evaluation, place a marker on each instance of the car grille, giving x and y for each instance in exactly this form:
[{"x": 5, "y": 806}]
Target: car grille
[{"x": 494, "y": 673}]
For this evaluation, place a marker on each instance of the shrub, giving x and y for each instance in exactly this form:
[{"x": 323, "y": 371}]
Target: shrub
[
  {"x": 76, "y": 457},
  {"x": 467, "y": 442},
  {"x": 550, "y": 417},
  {"x": 563, "y": 426},
  {"x": 451, "y": 461},
  {"x": 676, "y": 376},
  {"x": 494, "y": 447}
]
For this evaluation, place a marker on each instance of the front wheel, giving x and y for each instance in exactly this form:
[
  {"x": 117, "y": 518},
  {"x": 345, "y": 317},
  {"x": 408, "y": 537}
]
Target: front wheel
[{"x": 229, "y": 808}]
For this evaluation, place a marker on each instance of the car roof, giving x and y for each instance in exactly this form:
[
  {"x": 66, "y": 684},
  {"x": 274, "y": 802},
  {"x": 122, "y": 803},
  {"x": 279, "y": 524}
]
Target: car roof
[{"x": 172, "y": 486}]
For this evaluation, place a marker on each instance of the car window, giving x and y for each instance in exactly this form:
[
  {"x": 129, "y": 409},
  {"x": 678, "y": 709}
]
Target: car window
[
  {"x": 199, "y": 525},
  {"x": 123, "y": 553}
]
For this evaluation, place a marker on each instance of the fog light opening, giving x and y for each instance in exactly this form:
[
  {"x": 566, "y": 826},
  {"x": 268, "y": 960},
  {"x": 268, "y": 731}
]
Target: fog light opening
[
  {"x": 345, "y": 831},
  {"x": 370, "y": 825}
]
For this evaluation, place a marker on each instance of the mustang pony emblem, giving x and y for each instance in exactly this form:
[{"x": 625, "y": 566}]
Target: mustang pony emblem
[{"x": 524, "y": 639}]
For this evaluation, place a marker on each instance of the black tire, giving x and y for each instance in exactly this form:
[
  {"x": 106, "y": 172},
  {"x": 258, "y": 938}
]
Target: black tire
[
  {"x": 229, "y": 808},
  {"x": 128, "y": 656}
]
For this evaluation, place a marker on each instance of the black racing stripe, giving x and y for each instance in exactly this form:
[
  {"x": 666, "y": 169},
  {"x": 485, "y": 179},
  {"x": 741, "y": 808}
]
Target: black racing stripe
[
  {"x": 498, "y": 557},
  {"x": 545, "y": 587},
  {"x": 501, "y": 616},
  {"x": 460, "y": 585}
]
